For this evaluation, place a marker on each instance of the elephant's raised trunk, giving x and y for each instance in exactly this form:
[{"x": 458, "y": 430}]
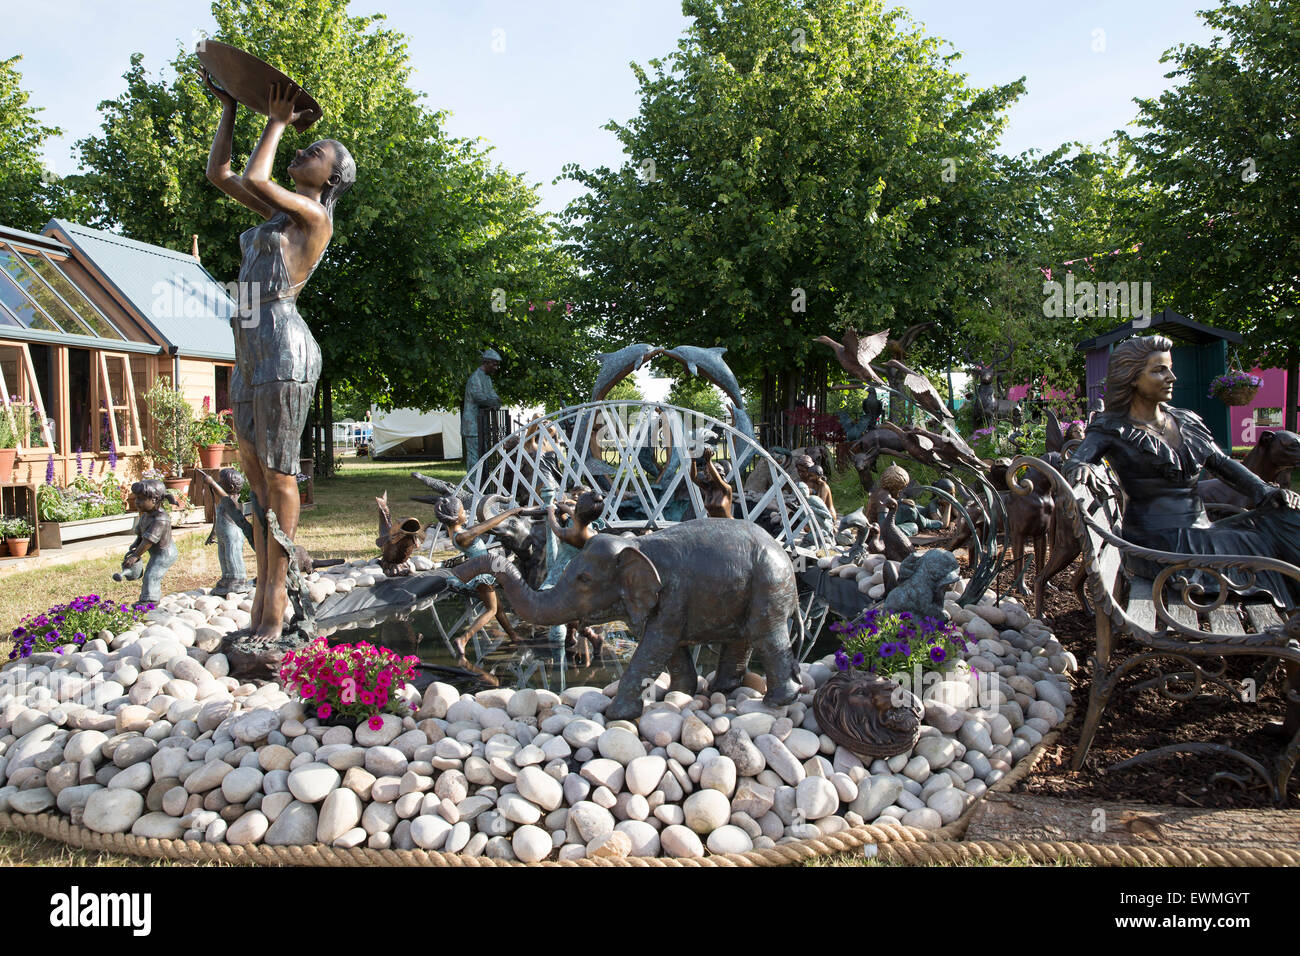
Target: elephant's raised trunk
[{"x": 543, "y": 608}]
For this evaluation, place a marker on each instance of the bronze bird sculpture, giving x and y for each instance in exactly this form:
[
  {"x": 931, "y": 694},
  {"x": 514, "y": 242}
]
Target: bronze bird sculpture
[
  {"x": 919, "y": 388},
  {"x": 934, "y": 449},
  {"x": 856, "y": 353}
]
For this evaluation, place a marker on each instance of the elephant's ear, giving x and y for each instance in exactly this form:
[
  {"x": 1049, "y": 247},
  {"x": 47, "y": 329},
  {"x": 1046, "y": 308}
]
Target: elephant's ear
[{"x": 641, "y": 585}]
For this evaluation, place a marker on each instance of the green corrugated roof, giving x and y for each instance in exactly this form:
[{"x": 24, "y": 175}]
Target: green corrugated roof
[{"x": 168, "y": 290}]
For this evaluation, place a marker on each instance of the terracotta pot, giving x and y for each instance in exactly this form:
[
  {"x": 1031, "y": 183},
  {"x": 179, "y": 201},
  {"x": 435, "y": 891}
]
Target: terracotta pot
[
  {"x": 7, "y": 458},
  {"x": 177, "y": 484},
  {"x": 18, "y": 547},
  {"x": 210, "y": 455}
]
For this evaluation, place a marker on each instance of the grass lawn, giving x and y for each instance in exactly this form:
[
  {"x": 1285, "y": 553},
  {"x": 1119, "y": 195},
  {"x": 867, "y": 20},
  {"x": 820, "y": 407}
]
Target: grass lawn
[{"x": 342, "y": 525}]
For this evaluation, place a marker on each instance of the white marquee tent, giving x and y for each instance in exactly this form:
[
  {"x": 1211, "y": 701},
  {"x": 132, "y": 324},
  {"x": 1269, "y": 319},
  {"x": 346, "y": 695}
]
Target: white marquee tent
[{"x": 410, "y": 431}]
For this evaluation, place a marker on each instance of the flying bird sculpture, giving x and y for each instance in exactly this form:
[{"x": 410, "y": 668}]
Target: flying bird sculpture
[
  {"x": 920, "y": 389},
  {"x": 856, "y": 353}
]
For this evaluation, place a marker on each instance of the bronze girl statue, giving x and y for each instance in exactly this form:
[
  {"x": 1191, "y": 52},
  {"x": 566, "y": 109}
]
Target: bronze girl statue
[
  {"x": 277, "y": 362},
  {"x": 469, "y": 542}
]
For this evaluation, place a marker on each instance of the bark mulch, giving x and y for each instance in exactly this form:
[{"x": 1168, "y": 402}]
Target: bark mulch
[{"x": 1135, "y": 722}]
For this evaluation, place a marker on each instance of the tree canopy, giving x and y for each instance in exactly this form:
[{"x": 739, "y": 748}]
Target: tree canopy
[
  {"x": 1218, "y": 154},
  {"x": 698, "y": 395},
  {"x": 438, "y": 252},
  {"x": 794, "y": 167},
  {"x": 29, "y": 192}
]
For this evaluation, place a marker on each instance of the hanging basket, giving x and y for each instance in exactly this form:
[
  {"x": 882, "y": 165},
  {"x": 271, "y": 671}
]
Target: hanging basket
[
  {"x": 1239, "y": 395},
  {"x": 1235, "y": 387}
]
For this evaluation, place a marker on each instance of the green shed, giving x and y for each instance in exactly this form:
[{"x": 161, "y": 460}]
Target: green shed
[{"x": 1200, "y": 354}]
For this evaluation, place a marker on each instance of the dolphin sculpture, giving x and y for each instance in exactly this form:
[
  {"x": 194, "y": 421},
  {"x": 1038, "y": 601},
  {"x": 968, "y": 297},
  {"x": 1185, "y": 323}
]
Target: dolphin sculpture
[
  {"x": 709, "y": 364},
  {"x": 615, "y": 366},
  {"x": 740, "y": 421}
]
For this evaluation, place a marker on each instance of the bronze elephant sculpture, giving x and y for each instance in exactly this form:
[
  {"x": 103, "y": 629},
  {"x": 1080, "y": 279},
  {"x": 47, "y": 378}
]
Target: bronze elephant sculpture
[{"x": 698, "y": 582}]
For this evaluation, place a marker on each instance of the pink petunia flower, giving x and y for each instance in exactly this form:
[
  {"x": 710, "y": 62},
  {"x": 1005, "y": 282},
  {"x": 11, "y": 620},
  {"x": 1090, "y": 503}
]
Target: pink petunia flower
[{"x": 375, "y": 723}]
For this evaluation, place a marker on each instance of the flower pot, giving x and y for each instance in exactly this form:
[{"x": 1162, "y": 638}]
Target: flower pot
[
  {"x": 48, "y": 535},
  {"x": 17, "y": 547},
  {"x": 91, "y": 528},
  {"x": 177, "y": 484},
  {"x": 210, "y": 455},
  {"x": 7, "y": 458},
  {"x": 335, "y": 719}
]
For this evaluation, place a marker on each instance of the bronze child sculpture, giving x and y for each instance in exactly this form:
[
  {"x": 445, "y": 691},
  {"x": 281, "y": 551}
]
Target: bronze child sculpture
[
  {"x": 277, "y": 361},
  {"x": 153, "y": 537},
  {"x": 230, "y": 529},
  {"x": 717, "y": 490},
  {"x": 562, "y": 543},
  {"x": 469, "y": 541}
]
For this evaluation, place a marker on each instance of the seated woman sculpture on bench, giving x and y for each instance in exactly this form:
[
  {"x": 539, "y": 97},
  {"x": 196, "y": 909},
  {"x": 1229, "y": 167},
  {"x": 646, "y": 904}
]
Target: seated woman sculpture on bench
[{"x": 1158, "y": 453}]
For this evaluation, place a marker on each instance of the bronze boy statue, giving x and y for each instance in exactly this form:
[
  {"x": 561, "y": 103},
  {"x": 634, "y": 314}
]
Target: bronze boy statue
[{"x": 153, "y": 536}]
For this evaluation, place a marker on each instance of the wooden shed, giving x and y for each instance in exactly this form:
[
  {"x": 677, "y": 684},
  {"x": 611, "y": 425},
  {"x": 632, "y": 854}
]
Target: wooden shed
[
  {"x": 1200, "y": 353},
  {"x": 88, "y": 321}
]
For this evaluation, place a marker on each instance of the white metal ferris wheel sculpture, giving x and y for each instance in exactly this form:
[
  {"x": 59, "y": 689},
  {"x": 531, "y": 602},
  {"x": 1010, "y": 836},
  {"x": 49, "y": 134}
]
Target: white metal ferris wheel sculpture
[{"x": 640, "y": 455}]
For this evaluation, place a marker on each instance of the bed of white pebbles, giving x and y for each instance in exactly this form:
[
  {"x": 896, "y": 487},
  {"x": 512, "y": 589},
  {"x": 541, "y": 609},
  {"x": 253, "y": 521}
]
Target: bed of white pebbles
[{"x": 144, "y": 732}]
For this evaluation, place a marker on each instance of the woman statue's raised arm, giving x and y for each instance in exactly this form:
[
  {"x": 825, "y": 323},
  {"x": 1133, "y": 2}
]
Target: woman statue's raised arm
[{"x": 219, "y": 172}]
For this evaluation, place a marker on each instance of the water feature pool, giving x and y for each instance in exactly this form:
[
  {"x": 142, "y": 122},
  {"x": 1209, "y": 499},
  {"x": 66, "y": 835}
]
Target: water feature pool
[{"x": 426, "y": 628}]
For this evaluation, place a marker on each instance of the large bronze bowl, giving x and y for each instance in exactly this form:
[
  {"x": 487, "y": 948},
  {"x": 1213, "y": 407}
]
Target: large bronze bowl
[{"x": 249, "y": 80}]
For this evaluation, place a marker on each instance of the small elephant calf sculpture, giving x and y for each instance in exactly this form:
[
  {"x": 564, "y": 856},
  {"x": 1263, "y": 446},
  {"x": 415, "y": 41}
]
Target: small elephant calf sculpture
[{"x": 701, "y": 581}]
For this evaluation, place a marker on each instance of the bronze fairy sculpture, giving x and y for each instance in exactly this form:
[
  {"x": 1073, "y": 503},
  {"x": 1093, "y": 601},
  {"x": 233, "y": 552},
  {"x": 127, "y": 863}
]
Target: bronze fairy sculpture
[{"x": 277, "y": 361}]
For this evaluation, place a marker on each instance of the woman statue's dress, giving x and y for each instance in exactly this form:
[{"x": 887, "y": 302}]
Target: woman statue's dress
[
  {"x": 1164, "y": 510},
  {"x": 277, "y": 361}
]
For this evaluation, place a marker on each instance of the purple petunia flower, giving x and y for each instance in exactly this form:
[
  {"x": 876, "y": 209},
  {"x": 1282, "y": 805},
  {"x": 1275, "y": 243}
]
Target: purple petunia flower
[
  {"x": 858, "y": 659},
  {"x": 887, "y": 649},
  {"x": 938, "y": 655}
]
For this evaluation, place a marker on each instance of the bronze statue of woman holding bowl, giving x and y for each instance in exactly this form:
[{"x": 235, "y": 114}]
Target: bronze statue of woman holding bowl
[
  {"x": 1158, "y": 453},
  {"x": 277, "y": 362}
]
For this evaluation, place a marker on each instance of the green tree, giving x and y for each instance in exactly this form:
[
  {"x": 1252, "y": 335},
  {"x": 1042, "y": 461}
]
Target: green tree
[
  {"x": 438, "y": 252},
  {"x": 625, "y": 391},
  {"x": 699, "y": 396},
  {"x": 1219, "y": 155},
  {"x": 30, "y": 194},
  {"x": 795, "y": 165}
]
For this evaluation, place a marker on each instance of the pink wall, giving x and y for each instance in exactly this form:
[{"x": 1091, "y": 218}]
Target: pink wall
[
  {"x": 1272, "y": 394},
  {"x": 1016, "y": 392}
]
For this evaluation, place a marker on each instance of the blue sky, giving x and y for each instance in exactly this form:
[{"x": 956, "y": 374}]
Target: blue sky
[{"x": 563, "y": 73}]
